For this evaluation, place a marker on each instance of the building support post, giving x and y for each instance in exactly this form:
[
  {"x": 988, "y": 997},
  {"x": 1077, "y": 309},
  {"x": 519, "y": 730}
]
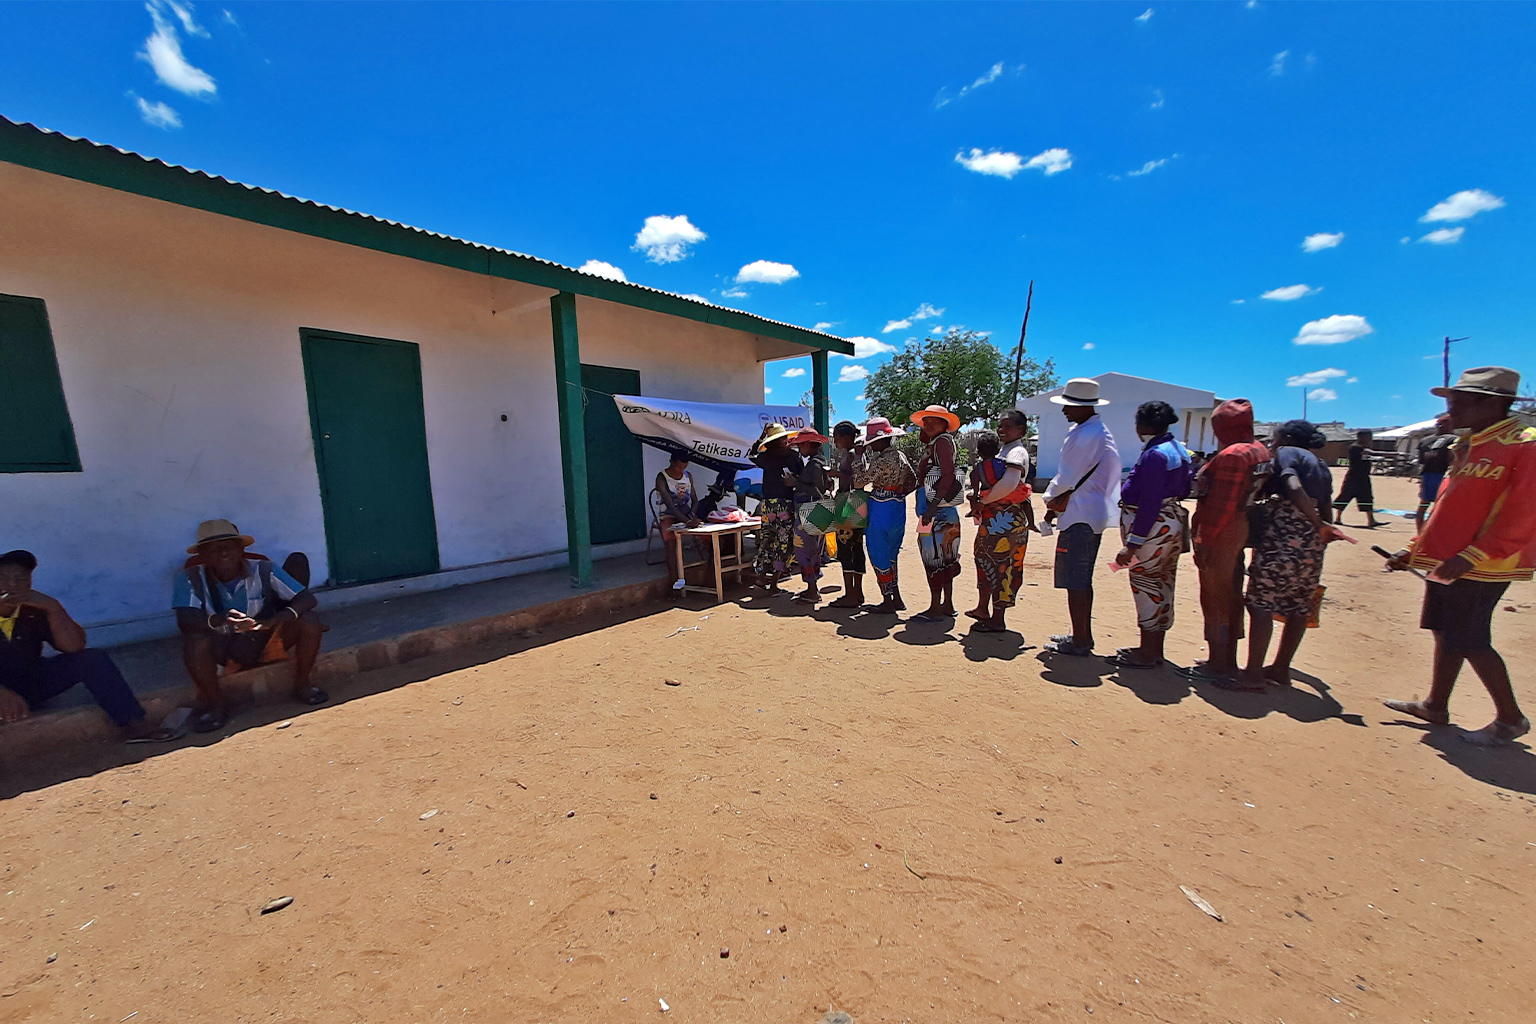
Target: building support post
[
  {"x": 570, "y": 402},
  {"x": 821, "y": 413}
]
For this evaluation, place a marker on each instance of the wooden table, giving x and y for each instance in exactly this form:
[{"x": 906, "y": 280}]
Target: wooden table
[{"x": 731, "y": 563}]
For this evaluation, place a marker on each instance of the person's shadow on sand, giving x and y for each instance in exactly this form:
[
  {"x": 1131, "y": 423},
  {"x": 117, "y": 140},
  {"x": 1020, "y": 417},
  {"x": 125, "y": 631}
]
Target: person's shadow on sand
[
  {"x": 1165, "y": 684},
  {"x": 1512, "y": 767},
  {"x": 1304, "y": 705},
  {"x": 1004, "y": 646},
  {"x": 927, "y": 632},
  {"x": 1071, "y": 670}
]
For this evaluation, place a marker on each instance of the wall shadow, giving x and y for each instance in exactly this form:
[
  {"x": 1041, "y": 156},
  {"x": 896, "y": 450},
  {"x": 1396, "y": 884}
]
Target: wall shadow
[{"x": 82, "y": 760}]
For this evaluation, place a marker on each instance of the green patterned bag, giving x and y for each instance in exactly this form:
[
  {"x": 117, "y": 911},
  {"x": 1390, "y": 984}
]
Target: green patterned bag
[
  {"x": 853, "y": 510},
  {"x": 819, "y": 516}
]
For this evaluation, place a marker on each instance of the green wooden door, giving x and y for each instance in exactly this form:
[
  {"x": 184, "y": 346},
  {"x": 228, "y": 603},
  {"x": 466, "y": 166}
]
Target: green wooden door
[
  {"x": 365, "y": 408},
  {"x": 615, "y": 468}
]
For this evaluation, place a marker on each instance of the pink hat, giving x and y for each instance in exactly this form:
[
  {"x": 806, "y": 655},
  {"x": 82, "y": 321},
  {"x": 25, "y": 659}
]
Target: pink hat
[{"x": 879, "y": 427}]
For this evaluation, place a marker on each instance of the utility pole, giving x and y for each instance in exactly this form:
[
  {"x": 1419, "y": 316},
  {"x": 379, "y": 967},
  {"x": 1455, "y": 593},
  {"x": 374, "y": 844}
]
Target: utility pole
[
  {"x": 1018, "y": 361},
  {"x": 1445, "y": 357}
]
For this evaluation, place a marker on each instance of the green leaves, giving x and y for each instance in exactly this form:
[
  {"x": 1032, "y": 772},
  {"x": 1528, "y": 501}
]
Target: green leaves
[{"x": 962, "y": 371}]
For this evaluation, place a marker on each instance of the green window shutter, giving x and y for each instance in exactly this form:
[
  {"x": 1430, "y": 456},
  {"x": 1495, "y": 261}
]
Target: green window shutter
[{"x": 38, "y": 436}]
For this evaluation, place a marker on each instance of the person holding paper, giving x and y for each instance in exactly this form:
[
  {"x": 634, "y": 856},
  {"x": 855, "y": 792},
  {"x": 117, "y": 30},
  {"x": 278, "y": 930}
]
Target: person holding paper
[
  {"x": 1082, "y": 497},
  {"x": 1480, "y": 538},
  {"x": 1154, "y": 530}
]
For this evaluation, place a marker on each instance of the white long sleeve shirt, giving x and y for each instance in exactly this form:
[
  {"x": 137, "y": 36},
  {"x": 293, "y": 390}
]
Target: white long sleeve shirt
[{"x": 1096, "y": 502}]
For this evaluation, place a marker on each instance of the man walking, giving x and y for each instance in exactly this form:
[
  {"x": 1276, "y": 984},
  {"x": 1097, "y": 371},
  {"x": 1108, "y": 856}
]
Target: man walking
[
  {"x": 1357, "y": 482},
  {"x": 1480, "y": 537},
  {"x": 1082, "y": 499},
  {"x": 1434, "y": 459},
  {"x": 1224, "y": 489}
]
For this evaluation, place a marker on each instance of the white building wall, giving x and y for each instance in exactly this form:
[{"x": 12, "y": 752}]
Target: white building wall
[
  {"x": 177, "y": 333},
  {"x": 1124, "y": 393}
]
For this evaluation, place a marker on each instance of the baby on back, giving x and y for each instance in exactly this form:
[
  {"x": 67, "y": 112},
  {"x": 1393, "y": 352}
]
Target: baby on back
[{"x": 989, "y": 469}]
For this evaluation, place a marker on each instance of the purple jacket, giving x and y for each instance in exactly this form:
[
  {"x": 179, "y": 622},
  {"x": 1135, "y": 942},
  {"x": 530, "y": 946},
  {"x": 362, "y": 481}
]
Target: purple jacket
[{"x": 1162, "y": 472}]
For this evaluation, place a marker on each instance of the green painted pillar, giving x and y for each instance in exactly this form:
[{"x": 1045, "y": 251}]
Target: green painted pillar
[
  {"x": 573, "y": 436},
  {"x": 821, "y": 413}
]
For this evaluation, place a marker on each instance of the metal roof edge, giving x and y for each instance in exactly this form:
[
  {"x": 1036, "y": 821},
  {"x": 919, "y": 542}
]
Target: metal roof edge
[{"x": 41, "y": 149}]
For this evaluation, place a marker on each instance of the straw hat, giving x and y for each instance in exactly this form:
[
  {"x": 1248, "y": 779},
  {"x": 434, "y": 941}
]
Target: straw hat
[
  {"x": 772, "y": 432},
  {"x": 211, "y": 530},
  {"x": 806, "y": 436},
  {"x": 936, "y": 412},
  {"x": 1499, "y": 381},
  {"x": 1080, "y": 391}
]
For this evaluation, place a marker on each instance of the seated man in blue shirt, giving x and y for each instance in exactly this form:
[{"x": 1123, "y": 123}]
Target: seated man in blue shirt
[{"x": 235, "y": 608}]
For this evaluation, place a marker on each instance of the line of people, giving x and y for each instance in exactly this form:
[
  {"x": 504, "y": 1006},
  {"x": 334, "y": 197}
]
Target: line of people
[{"x": 1264, "y": 515}]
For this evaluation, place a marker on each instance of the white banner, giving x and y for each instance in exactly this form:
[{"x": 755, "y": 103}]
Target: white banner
[{"x": 713, "y": 434}]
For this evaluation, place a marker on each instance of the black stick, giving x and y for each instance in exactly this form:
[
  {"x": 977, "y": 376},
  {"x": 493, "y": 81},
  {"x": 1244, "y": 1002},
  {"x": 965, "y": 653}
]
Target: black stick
[{"x": 1018, "y": 361}]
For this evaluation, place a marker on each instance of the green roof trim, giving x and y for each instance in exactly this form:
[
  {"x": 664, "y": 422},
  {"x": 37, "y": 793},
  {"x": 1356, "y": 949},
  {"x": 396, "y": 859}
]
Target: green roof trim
[{"x": 43, "y": 150}]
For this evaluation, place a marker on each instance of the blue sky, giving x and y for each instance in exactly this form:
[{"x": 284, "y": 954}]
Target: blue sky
[{"x": 1155, "y": 169}]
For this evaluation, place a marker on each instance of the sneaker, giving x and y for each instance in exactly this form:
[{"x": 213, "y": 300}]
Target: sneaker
[{"x": 1497, "y": 733}]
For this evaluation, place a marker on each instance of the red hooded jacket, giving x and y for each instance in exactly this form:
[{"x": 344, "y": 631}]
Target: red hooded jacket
[{"x": 1228, "y": 481}]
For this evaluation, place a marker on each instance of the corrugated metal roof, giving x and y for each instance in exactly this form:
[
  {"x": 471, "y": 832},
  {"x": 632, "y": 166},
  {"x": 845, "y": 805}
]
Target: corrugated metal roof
[{"x": 28, "y": 144}]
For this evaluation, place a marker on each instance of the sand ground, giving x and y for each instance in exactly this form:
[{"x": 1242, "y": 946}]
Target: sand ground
[{"x": 891, "y": 819}]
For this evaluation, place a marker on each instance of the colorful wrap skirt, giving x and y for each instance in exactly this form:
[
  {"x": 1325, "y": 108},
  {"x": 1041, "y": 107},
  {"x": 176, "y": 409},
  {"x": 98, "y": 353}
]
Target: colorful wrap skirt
[
  {"x": 883, "y": 536},
  {"x": 775, "y": 539},
  {"x": 1002, "y": 537},
  {"x": 810, "y": 547},
  {"x": 939, "y": 543},
  {"x": 1156, "y": 570},
  {"x": 1287, "y": 564}
]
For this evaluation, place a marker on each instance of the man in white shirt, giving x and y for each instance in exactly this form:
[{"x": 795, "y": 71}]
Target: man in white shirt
[{"x": 1082, "y": 500}]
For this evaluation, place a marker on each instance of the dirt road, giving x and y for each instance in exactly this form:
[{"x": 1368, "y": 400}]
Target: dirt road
[{"x": 892, "y": 819}]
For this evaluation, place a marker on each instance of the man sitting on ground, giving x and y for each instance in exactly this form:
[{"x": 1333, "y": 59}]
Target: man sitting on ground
[
  {"x": 236, "y": 609},
  {"x": 29, "y": 619}
]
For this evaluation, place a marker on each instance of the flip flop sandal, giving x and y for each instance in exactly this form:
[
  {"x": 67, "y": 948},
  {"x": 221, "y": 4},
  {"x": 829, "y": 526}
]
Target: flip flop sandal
[
  {"x": 986, "y": 627},
  {"x": 1496, "y": 733},
  {"x": 211, "y": 720},
  {"x": 1068, "y": 647},
  {"x": 311, "y": 695},
  {"x": 1419, "y": 711},
  {"x": 1122, "y": 659},
  {"x": 161, "y": 735},
  {"x": 1060, "y": 638},
  {"x": 1229, "y": 684}
]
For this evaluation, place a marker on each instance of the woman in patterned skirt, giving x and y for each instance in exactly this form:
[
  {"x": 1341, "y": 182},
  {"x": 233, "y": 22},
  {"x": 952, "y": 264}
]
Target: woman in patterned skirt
[
  {"x": 1154, "y": 526},
  {"x": 938, "y": 508},
  {"x": 1004, "y": 517},
  {"x": 885, "y": 473},
  {"x": 1288, "y": 553},
  {"x": 781, "y": 466}
]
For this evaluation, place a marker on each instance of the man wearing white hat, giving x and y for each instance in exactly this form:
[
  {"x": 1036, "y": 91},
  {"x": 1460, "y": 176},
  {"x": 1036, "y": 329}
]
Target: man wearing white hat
[{"x": 1082, "y": 500}]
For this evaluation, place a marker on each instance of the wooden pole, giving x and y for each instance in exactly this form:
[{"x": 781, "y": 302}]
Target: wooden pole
[
  {"x": 1018, "y": 361},
  {"x": 1445, "y": 358}
]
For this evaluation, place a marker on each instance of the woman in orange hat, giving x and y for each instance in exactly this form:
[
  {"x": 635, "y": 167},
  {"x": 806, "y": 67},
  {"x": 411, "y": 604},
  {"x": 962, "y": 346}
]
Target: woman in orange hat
[
  {"x": 938, "y": 507},
  {"x": 811, "y": 484}
]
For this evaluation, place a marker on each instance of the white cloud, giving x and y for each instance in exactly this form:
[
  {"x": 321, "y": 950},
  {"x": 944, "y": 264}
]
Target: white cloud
[
  {"x": 1157, "y": 103},
  {"x": 183, "y": 14},
  {"x": 230, "y": 19},
  {"x": 868, "y": 348},
  {"x": 1463, "y": 205},
  {"x": 1277, "y": 66},
  {"x": 163, "y": 50},
  {"x": 927, "y": 311},
  {"x": 766, "y": 272},
  {"x": 1052, "y": 161},
  {"x": 1322, "y": 240},
  {"x": 991, "y": 75},
  {"x": 697, "y": 298},
  {"x": 158, "y": 114},
  {"x": 1353, "y": 380},
  {"x": 1238, "y": 302},
  {"x": 858, "y": 398},
  {"x": 1289, "y": 292},
  {"x": 1313, "y": 379},
  {"x": 997, "y": 162},
  {"x": 822, "y": 325},
  {"x": 851, "y": 372},
  {"x": 767, "y": 391},
  {"x": 1147, "y": 168},
  {"x": 795, "y": 371},
  {"x": 1322, "y": 395},
  {"x": 895, "y": 325},
  {"x": 597, "y": 268},
  {"x": 1088, "y": 346},
  {"x": 1404, "y": 240},
  {"x": 1333, "y": 330},
  {"x": 666, "y": 239},
  {"x": 1444, "y": 236},
  {"x": 735, "y": 293},
  {"x": 1144, "y": 17}
]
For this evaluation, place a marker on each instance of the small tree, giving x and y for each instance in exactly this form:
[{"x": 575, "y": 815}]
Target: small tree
[{"x": 962, "y": 371}]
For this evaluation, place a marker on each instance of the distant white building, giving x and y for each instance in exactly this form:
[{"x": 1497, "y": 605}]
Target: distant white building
[{"x": 1124, "y": 393}]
